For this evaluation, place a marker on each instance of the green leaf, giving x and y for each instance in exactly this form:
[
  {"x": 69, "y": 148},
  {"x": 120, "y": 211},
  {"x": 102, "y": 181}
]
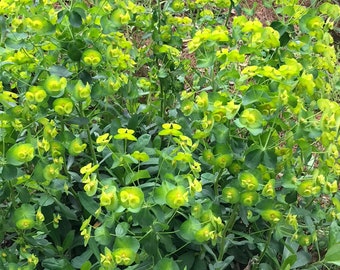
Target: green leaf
[
  {"x": 334, "y": 234},
  {"x": 142, "y": 142},
  {"x": 56, "y": 264},
  {"x": 166, "y": 264},
  {"x": 221, "y": 133},
  {"x": 75, "y": 19},
  {"x": 333, "y": 255},
  {"x": 81, "y": 261},
  {"x": 88, "y": 203},
  {"x": 256, "y": 93},
  {"x": 107, "y": 25},
  {"x": 121, "y": 229},
  {"x": 206, "y": 60},
  {"x": 127, "y": 242},
  {"x": 85, "y": 266},
  {"x": 102, "y": 236},
  {"x": 288, "y": 262},
  {"x": 9, "y": 172},
  {"x": 253, "y": 158},
  {"x": 186, "y": 260},
  {"x": 303, "y": 258},
  {"x": 60, "y": 71},
  {"x": 269, "y": 158},
  {"x": 188, "y": 229},
  {"x": 80, "y": 121},
  {"x": 68, "y": 241}
]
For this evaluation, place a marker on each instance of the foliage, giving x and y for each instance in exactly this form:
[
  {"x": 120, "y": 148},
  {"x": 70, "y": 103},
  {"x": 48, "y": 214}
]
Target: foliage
[{"x": 168, "y": 135}]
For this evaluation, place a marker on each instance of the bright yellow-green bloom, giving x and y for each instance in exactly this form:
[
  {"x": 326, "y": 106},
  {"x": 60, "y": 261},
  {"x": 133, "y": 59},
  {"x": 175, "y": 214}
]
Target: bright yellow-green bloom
[
  {"x": 230, "y": 195},
  {"x": 251, "y": 118},
  {"x": 248, "y": 181},
  {"x": 308, "y": 188},
  {"x": 76, "y": 147},
  {"x": 204, "y": 234},
  {"x": 131, "y": 197},
  {"x": 55, "y": 85},
  {"x": 125, "y": 134},
  {"x": 140, "y": 156},
  {"x": 92, "y": 57},
  {"x": 88, "y": 169},
  {"x": 124, "y": 256},
  {"x": 170, "y": 129},
  {"x": 177, "y": 197},
  {"x": 271, "y": 215},
  {"x": 63, "y": 106},
  {"x": 20, "y": 153}
]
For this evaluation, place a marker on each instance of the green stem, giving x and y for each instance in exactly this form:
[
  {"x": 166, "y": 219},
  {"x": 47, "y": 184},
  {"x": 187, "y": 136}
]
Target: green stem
[
  {"x": 216, "y": 182},
  {"x": 229, "y": 12},
  {"x": 270, "y": 233},
  {"x": 227, "y": 228},
  {"x": 88, "y": 133}
]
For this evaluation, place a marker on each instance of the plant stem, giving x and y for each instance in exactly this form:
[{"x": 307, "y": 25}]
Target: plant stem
[
  {"x": 88, "y": 133},
  {"x": 216, "y": 182},
  {"x": 227, "y": 228},
  {"x": 229, "y": 12},
  {"x": 270, "y": 233}
]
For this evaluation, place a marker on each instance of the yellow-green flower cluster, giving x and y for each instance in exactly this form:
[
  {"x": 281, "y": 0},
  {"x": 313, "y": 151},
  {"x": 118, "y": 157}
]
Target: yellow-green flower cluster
[
  {"x": 125, "y": 134},
  {"x": 255, "y": 34},
  {"x": 218, "y": 34}
]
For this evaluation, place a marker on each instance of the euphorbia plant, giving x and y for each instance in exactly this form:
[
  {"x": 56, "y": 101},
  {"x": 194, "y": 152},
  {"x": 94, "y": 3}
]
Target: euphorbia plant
[{"x": 168, "y": 135}]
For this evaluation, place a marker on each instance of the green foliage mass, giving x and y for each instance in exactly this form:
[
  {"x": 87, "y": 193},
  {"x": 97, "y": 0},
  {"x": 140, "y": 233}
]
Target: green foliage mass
[{"x": 168, "y": 135}]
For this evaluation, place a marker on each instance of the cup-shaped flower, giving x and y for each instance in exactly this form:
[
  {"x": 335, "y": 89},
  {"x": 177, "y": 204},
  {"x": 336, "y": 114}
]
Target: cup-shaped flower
[
  {"x": 204, "y": 234},
  {"x": 124, "y": 256},
  {"x": 81, "y": 91},
  {"x": 109, "y": 199},
  {"x": 308, "y": 188},
  {"x": 248, "y": 181},
  {"x": 91, "y": 185},
  {"x": 55, "y": 86},
  {"x": 230, "y": 195},
  {"x": 251, "y": 118},
  {"x": 315, "y": 23},
  {"x": 36, "y": 94},
  {"x": 63, "y": 106},
  {"x": 232, "y": 109},
  {"x": 106, "y": 259},
  {"x": 51, "y": 171},
  {"x": 249, "y": 198},
  {"x": 76, "y": 147},
  {"x": 208, "y": 156},
  {"x": 140, "y": 156},
  {"x": 24, "y": 217},
  {"x": 305, "y": 240},
  {"x": 125, "y": 134},
  {"x": 271, "y": 215},
  {"x": 187, "y": 107},
  {"x": 202, "y": 100},
  {"x": 131, "y": 198},
  {"x": 91, "y": 57},
  {"x": 223, "y": 161},
  {"x": 172, "y": 129},
  {"x": 269, "y": 189},
  {"x": 177, "y": 197},
  {"x": 39, "y": 24},
  {"x": 20, "y": 153}
]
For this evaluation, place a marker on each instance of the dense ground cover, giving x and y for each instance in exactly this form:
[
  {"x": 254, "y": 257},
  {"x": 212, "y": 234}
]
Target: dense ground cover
[{"x": 168, "y": 135}]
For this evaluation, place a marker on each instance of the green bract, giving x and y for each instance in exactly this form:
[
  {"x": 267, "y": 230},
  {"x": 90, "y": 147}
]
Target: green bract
[
  {"x": 20, "y": 153},
  {"x": 131, "y": 198}
]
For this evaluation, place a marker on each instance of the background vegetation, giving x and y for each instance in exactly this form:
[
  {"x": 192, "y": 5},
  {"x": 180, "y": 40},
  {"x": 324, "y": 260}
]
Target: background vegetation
[{"x": 169, "y": 135}]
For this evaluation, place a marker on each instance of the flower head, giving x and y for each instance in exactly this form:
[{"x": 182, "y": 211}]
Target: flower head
[{"x": 125, "y": 134}]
